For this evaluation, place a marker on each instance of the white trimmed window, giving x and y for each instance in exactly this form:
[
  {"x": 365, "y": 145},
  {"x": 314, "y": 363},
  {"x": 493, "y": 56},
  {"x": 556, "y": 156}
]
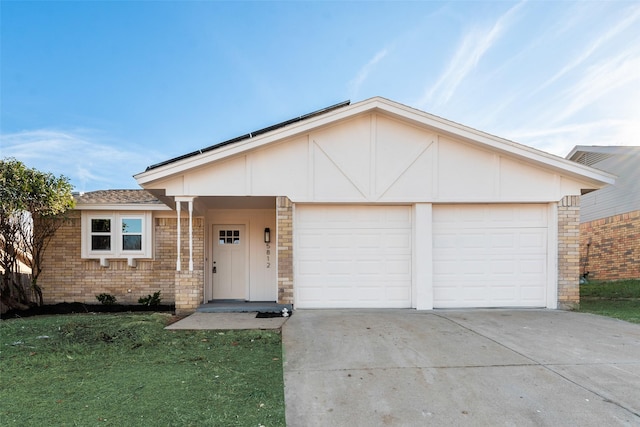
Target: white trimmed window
[{"x": 116, "y": 235}]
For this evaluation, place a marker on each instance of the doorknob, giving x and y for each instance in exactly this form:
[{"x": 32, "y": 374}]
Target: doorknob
[{"x": 214, "y": 269}]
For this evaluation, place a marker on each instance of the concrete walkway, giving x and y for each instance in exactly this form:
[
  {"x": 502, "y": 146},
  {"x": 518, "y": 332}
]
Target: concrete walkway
[
  {"x": 473, "y": 367},
  {"x": 210, "y": 321}
]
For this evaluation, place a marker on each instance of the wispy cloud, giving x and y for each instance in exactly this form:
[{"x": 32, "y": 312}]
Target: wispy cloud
[
  {"x": 354, "y": 85},
  {"x": 600, "y": 108},
  {"x": 473, "y": 47},
  {"x": 594, "y": 45},
  {"x": 589, "y": 98},
  {"x": 560, "y": 139},
  {"x": 87, "y": 158},
  {"x": 599, "y": 81}
]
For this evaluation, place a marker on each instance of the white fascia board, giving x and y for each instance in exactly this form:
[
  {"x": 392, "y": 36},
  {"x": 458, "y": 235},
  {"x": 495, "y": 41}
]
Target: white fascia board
[
  {"x": 120, "y": 207},
  {"x": 597, "y": 177}
]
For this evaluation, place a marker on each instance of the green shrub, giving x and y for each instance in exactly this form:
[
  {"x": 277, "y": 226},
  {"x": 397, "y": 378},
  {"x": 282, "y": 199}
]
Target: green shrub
[
  {"x": 151, "y": 299},
  {"x": 106, "y": 299}
]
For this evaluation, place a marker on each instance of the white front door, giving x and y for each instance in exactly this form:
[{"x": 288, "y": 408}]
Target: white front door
[{"x": 229, "y": 268}]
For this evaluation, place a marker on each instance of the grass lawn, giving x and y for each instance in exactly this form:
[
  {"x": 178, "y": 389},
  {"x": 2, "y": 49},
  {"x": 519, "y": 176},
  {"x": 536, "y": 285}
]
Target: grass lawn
[
  {"x": 620, "y": 299},
  {"x": 126, "y": 370}
]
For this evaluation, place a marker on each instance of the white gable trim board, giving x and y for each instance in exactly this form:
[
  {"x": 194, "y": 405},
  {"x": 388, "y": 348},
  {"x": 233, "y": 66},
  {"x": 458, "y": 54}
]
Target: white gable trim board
[{"x": 392, "y": 207}]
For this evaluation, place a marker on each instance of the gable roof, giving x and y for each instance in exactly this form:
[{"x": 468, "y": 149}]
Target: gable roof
[
  {"x": 118, "y": 199},
  {"x": 344, "y": 111},
  {"x": 251, "y": 134}
]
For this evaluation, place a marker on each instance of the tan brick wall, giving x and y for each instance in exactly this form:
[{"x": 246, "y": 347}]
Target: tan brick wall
[
  {"x": 284, "y": 212},
  {"x": 66, "y": 277},
  {"x": 610, "y": 247},
  {"x": 189, "y": 291},
  {"x": 569, "y": 252}
]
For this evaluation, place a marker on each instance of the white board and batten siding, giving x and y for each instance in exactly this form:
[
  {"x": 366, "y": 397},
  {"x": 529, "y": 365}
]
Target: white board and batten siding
[{"x": 353, "y": 256}]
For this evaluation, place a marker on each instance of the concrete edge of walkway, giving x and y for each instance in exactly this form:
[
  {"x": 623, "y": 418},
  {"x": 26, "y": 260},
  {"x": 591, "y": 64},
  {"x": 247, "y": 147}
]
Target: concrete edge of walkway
[{"x": 227, "y": 321}]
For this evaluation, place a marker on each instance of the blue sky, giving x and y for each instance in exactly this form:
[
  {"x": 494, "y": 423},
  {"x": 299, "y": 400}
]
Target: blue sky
[{"x": 97, "y": 91}]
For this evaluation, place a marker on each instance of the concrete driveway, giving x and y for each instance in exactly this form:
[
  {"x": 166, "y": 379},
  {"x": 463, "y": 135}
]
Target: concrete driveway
[{"x": 463, "y": 367}]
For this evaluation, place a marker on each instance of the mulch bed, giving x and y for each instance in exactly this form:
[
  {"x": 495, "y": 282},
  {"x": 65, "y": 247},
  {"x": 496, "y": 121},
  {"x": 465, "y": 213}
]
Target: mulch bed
[{"x": 77, "y": 307}]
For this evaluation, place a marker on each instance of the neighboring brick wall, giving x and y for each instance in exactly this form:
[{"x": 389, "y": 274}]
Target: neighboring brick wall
[
  {"x": 610, "y": 247},
  {"x": 568, "y": 252},
  {"x": 284, "y": 212},
  {"x": 66, "y": 277}
]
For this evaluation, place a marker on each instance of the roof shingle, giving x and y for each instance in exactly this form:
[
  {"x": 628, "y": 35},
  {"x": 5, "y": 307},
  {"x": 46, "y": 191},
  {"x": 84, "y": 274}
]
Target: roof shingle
[{"x": 113, "y": 197}]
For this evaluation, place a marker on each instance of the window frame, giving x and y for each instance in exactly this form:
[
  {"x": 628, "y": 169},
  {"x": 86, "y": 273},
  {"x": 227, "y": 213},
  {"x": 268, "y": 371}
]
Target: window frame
[
  {"x": 116, "y": 234},
  {"x": 109, "y": 233},
  {"x": 123, "y": 233}
]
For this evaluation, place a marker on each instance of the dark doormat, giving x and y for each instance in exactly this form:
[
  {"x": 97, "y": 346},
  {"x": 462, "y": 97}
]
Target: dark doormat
[{"x": 266, "y": 315}]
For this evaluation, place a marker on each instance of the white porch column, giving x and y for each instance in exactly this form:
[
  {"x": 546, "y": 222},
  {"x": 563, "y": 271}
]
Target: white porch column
[
  {"x": 178, "y": 203},
  {"x": 190, "y": 235},
  {"x": 189, "y": 201}
]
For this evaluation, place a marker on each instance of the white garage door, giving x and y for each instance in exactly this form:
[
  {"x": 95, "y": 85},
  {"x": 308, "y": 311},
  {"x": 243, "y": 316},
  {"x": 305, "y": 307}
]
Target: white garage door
[
  {"x": 352, "y": 256},
  {"x": 490, "y": 255}
]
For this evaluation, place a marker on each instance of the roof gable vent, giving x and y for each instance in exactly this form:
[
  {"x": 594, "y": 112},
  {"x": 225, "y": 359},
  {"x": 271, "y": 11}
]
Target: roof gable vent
[{"x": 590, "y": 159}]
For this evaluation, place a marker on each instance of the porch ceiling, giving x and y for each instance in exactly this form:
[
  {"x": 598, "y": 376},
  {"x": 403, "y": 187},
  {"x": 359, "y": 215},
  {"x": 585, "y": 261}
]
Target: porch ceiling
[
  {"x": 236, "y": 202},
  {"x": 203, "y": 203}
]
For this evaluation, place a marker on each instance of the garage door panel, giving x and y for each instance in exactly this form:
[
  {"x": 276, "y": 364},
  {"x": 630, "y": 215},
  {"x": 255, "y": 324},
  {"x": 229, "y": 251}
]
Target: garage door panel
[
  {"x": 399, "y": 241},
  {"x": 339, "y": 268},
  {"x": 502, "y": 296},
  {"x": 362, "y": 256},
  {"x": 310, "y": 239},
  {"x": 504, "y": 240},
  {"x": 444, "y": 240},
  {"x": 534, "y": 240},
  {"x": 501, "y": 268},
  {"x": 397, "y": 267},
  {"x": 490, "y": 255},
  {"x": 312, "y": 267},
  {"x": 490, "y": 216},
  {"x": 341, "y": 216},
  {"x": 534, "y": 266},
  {"x": 311, "y": 293},
  {"x": 531, "y": 293},
  {"x": 368, "y": 268},
  {"x": 397, "y": 295},
  {"x": 365, "y": 241}
]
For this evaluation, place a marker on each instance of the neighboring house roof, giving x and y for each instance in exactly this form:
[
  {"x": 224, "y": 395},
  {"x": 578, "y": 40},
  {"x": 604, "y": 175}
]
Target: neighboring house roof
[
  {"x": 591, "y": 155},
  {"x": 339, "y": 112},
  {"x": 624, "y": 195},
  {"x": 118, "y": 199}
]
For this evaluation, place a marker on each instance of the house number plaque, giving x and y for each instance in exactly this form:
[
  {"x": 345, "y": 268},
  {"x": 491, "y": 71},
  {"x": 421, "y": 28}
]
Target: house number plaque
[{"x": 268, "y": 255}]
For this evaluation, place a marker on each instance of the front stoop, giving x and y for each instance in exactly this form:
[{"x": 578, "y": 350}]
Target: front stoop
[{"x": 243, "y": 307}]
